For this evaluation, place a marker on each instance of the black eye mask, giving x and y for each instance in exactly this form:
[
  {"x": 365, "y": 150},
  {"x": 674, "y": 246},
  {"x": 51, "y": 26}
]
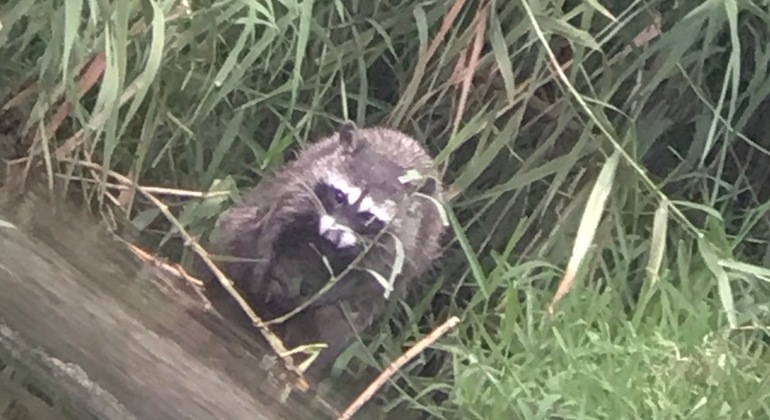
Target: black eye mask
[{"x": 336, "y": 204}]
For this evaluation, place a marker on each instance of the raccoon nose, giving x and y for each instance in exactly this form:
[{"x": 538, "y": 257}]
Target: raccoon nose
[{"x": 334, "y": 233}]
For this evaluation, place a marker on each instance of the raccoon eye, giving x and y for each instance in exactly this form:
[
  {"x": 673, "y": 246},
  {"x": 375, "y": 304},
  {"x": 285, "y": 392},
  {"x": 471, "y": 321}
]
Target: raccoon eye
[{"x": 339, "y": 196}]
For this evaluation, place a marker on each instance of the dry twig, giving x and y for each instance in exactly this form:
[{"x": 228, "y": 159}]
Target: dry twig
[{"x": 397, "y": 364}]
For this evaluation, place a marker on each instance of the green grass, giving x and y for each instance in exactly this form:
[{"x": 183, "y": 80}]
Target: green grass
[{"x": 670, "y": 324}]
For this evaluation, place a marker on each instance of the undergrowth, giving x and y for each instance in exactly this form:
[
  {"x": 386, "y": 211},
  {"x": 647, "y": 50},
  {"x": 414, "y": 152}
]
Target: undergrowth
[{"x": 522, "y": 104}]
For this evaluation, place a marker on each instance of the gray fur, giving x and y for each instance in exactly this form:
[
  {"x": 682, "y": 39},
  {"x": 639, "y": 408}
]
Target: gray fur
[{"x": 371, "y": 159}]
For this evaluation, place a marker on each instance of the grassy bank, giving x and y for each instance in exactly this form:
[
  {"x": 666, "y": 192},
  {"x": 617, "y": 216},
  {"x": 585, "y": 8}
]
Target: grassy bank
[{"x": 666, "y": 320}]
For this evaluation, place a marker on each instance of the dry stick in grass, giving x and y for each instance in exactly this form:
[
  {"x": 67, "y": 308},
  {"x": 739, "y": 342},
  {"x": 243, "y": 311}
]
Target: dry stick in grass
[
  {"x": 173, "y": 269},
  {"x": 391, "y": 370},
  {"x": 30, "y": 86},
  {"x": 23, "y": 93},
  {"x": 447, "y": 24},
  {"x": 643, "y": 38},
  {"x": 275, "y": 343},
  {"x": 471, "y": 63},
  {"x": 174, "y": 192},
  {"x": 72, "y": 142},
  {"x": 88, "y": 80}
]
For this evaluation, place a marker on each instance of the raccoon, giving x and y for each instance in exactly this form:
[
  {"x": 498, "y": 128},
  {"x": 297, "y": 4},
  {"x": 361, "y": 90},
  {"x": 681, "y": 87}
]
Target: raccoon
[{"x": 341, "y": 209}]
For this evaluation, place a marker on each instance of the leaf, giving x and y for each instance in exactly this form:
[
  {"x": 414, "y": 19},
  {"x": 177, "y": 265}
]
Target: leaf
[
  {"x": 573, "y": 34},
  {"x": 658, "y": 240},
  {"x": 709, "y": 256},
  {"x": 755, "y": 270},
  {"x": 601, "y": 9},
  {"x": 72, "y": 20},
  {"x": 594, "y": 210}
]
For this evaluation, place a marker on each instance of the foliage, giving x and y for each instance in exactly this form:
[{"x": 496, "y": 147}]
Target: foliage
[{"x": 213, "y": 95}]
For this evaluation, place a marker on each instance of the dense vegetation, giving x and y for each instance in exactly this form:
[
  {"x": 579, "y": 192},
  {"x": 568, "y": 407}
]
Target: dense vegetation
[{"x": 523, "y": 104}]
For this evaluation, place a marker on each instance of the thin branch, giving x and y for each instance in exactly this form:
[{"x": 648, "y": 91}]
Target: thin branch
[{"x": 391, "y": 370}]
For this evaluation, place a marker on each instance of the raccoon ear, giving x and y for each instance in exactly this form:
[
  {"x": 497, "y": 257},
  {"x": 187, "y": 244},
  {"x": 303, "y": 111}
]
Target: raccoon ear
[{"x": 349, "y": 136}]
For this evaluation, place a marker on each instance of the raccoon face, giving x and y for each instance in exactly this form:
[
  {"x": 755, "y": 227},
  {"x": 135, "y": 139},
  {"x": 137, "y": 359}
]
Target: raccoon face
[
  {"x": 360, "y": 209},
  {"x": 350, "y": 212}
]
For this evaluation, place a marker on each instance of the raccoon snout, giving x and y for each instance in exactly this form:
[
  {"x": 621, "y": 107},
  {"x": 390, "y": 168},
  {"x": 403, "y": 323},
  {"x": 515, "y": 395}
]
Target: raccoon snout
[{"x": 339, "y": 235}]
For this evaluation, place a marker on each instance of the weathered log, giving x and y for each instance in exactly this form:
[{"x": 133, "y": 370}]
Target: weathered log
[{"x": 88, "y": 332}]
